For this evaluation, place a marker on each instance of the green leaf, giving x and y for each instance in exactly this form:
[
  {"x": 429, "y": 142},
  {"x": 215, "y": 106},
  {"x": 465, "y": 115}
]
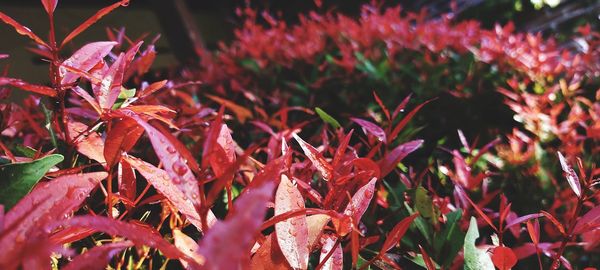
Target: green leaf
[
  {"x": 423, "y": 202},
  {"x": 17, "y": 179},
  {"x": 327, "y": 118},
  {"x": 48, "y": 116},
  {"x": 448, "y": 243},
  {"x": 475, "y": 259}
]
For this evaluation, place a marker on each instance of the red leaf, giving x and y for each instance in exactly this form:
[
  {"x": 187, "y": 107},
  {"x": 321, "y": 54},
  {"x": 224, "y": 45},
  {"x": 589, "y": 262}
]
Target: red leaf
[
  {"x": 533, "y": 228},
  {"x": 220, "y": 163},
  {"x": 22, "y": 30},
  {"x": 38, "y": 89},
  {"x": 503, "y": 258},
  {"x": 173, "y": 162},
  {"x": 482, "y": 214},
  {"x": 382, "y": 106},
  {"x": 357, "y": 207},
  {"x": 127, "y": 181},
  {"x": 85, "y": 59},
  {"x": 162, "y": 183},
  {"x": 98, "y": 257},
  {"x": 141, "y": 235},
  {"x": 152, "y": 88},
  {"x": 49, "y": 5},
  {"x": 397, "y": 233},
  {"x": 87, "y": 23},
  {"x": 554, "y": 221},
  {"x": 188, "y": 246},
  {"x": 406, "y": 119},
  {"x": 336, "y": 260},
  {"x": 316, "y": 158},
  {"x": 371, "y": 128},
  {"x": 570, "y": 174},
  {"x": 47, "y": 202},
  {"x": 241, "y": 113},
  {"x": 87, "y": 142},
  {"x": 428, "y": 263},
  {"x": 121, "y": 137},
  {"x": 269, "y": 256},
  {"x": 589, "y": 221},
  {"x": 292, "y": 234},
  {"x": 239, "y": 228},
  {"x": 391, "y": 159},
  {"x": 107, "y": 91}
]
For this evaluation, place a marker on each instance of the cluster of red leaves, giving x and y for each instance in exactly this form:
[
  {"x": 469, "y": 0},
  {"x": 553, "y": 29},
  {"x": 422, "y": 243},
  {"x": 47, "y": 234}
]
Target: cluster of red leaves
[{"x": 552, "y": 91}]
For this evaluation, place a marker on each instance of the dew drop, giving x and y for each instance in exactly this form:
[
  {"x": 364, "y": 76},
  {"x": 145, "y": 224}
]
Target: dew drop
[
  {"x": 171, "y": 149},
  {"x": 179, "y": 168},
  {"x": 176, "y": 180}
]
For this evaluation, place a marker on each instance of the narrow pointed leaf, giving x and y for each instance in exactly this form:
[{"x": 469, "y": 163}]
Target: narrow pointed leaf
[
  {"x": 292, "y": 234},
  {"x": 38, "y": 89},
  {"x": 139, "y": 234},
  {"x": 109, "y": 88},
  {"x": 87, "y": 23},
  {"x": 589, "y": 221},
  {"x": 371, "y": 128},
  {"x": 475, "y": 259},
  {"x": 315, "y": 158},
  {"x": 98, "y": 257},
  {"x": 240, "y": 228},
  {"x": 572, "y": 178},
  {"x": 327, "y": 118},
  {"x": 17, "y": 179},
  {"x": 391, "y": 159},
  {"x": 361, "y": 200},
  {"x": 21, "y": 29},
  {"x": 397, "y": 233},
  {"x": 85, "y": 59},
  {"x": 173, "y": 162},
  {"x": 161, "y": 181},
  {"x": 336, "y": 260}
]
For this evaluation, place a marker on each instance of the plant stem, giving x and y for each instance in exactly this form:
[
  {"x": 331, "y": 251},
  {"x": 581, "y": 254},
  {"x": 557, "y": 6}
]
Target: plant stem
[{"x": 569, "y": 236}]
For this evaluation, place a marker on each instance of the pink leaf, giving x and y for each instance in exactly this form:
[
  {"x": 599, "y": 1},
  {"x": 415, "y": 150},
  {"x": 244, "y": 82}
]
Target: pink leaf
[
  {"x": 160, "y": 180},
  {"x": 316, "y": 158},
  {"x": 570, "y": 174},
  {"x": 141, "y": 235},
  {"x": 371, "y": 128},
  {"x": 98, "y": 257},
  {"x": 239, "y": 228},
  {"x": 47, "y": 202},
  {"x": 87, "y": 142},
  {"x": 292, "y": 234},
  {"x": 589, "y": 221},
  {"x": 361, "y": 200},
  {"x": 391, "y": 159},
  {"x": 49, "y": 5},
  {"x": 173, "y": 162},
  {"x": 107, "y": 91},
  {"x": 188, "y": 246},
  {"x": 85, "y": 59},
  {"x": 336, "y": 261}
]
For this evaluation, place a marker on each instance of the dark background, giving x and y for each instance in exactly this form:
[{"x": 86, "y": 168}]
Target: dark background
[{"x": 214, "y": 21}]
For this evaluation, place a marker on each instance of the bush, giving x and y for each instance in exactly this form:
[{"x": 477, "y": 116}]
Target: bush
[{"x": 230, "y": 182}]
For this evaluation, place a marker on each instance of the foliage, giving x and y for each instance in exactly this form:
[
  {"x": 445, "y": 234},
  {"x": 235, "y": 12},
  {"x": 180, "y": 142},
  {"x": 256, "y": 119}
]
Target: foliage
[{"x": 242, "y": 172}]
